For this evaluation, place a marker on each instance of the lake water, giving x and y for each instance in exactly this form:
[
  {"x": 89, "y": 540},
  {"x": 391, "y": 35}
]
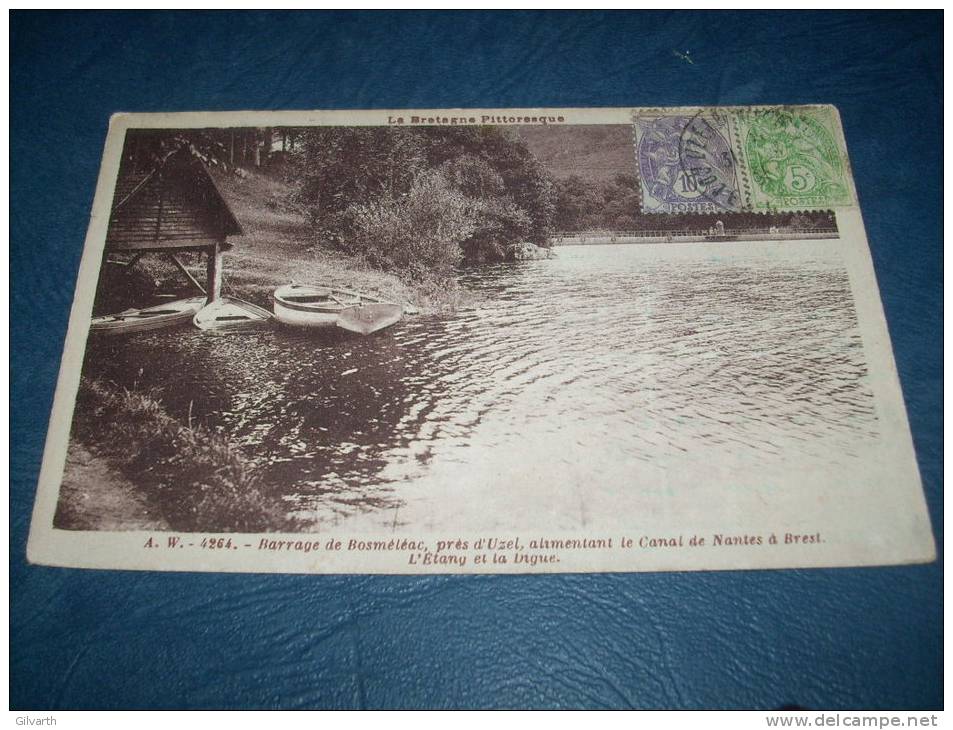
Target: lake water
[{"x": 607, "y": 378}]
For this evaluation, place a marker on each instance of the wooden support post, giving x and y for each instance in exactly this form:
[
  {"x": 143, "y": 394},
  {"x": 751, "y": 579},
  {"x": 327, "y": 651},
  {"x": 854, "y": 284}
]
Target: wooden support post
[
  {"x": 213, "y": 287},
  {"x": 188, "y": 274}
]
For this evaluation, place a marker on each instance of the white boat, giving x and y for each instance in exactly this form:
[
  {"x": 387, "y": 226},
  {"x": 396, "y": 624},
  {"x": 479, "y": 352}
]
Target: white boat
[
  {"x": 162, "y": 315},
  {"x": 369, "y": 317},
  {"x": 302, "y": 305},
  {"x": 229, "y": 313}
]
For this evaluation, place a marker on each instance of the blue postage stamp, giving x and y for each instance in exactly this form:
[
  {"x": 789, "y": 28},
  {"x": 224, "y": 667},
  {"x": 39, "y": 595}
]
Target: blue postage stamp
[{"x": 686, "y": 163}]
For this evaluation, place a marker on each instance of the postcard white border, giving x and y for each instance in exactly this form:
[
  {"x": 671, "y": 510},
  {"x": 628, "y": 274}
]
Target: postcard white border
[{"x": 900, "y": 517}]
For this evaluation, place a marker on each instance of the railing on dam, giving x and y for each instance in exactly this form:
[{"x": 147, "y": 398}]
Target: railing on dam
[{"x": 576, "y": 238}]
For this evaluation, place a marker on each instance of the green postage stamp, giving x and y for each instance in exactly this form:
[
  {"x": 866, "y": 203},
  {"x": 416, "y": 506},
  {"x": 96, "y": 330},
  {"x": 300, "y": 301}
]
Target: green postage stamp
[{"x": 734, "y": 159}]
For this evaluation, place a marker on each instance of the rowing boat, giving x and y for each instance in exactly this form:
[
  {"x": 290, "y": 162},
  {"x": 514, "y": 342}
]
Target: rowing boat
[
  {"x": 301, "y": 305},
  {"x": 156, "y": 317},
  {"x": 369, "y": 317},
  {"x": 229, "y": 313}
]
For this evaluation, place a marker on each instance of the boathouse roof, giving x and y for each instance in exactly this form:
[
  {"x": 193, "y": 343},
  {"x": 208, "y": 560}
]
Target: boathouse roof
[{"x": 175, "y": 205}]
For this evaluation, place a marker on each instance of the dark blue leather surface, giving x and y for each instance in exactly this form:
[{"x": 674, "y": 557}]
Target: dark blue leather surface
[{"x": 824, "y": 638}]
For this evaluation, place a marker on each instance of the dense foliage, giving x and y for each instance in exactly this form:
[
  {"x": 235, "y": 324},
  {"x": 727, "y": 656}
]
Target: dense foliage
[
  {"x": 422, "y": 199},
  {"x": 587, "y": 205}
]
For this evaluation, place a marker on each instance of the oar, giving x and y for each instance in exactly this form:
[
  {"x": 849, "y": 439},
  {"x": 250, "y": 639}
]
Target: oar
[
  {"x": 407, "y": 306},
  {"x": 342, "y": 303}
]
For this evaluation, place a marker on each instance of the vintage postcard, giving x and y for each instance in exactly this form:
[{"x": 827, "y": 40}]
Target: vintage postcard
[{"x": 478, "y": 341}]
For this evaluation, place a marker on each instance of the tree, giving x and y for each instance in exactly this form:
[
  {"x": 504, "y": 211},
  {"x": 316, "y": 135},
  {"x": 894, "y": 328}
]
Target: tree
[
  {"x": 226, "y": 148},
  {"x": 577, "y": 202},
  {"x": 356, "y": 180},
  {"x": 354, "y": 165}
]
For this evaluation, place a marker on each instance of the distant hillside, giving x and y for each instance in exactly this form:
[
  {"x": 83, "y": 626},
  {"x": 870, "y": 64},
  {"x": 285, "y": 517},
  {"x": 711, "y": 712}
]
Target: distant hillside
[{"x": 593, "y": 152}]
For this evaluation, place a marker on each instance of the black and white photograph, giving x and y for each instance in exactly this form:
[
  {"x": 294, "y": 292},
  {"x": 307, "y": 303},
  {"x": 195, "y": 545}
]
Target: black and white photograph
[{"x": 461, "y": 342}]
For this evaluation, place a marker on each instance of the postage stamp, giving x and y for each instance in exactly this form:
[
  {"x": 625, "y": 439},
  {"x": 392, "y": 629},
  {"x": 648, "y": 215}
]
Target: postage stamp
[
  {"x": 686, "y": 163},
  {"x": 794, "y": 158}
]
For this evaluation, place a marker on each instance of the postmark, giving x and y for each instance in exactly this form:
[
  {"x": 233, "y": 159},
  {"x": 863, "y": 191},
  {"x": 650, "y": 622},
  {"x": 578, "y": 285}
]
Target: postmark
[
  {"x": 792, "y": 157},
  {"x": 686, "y": 163}
]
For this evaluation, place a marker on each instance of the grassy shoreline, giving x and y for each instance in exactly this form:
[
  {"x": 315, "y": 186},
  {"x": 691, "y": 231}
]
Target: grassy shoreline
[
  {"x": 187, "y": 477},
  {"x": 95, "y": 495}
]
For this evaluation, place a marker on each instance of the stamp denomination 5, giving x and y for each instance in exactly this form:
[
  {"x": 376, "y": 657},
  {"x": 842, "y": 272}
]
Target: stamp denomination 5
[{"x": 794, "y": 158}]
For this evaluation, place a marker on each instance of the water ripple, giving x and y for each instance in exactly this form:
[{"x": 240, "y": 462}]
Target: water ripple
[{"x": 641, "y": 360}]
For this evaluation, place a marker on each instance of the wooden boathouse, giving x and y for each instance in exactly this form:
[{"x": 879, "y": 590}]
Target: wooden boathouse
[{"x": 173, "y": 208}]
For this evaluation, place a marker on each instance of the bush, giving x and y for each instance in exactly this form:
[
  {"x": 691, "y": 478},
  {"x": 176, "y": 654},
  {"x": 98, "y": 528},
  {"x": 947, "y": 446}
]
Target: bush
[
  {"x": 420, "y": 232},
  {"x": 500, "y": 223}
]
